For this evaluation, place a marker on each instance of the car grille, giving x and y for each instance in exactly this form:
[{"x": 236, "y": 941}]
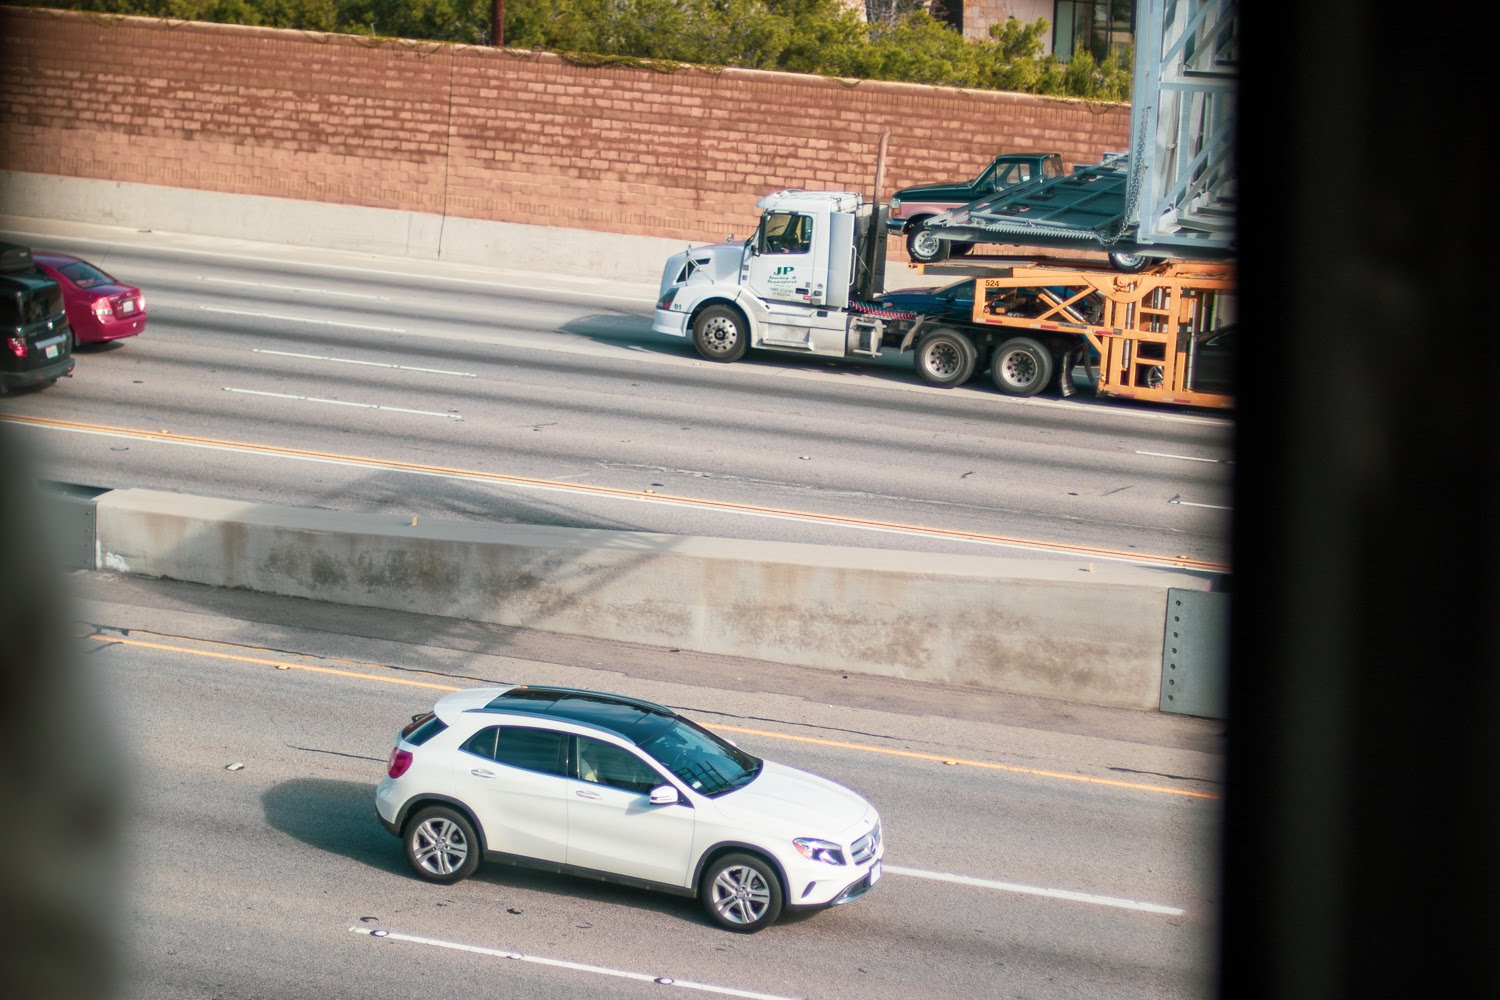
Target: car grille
[{"x": 865, "y": 847}]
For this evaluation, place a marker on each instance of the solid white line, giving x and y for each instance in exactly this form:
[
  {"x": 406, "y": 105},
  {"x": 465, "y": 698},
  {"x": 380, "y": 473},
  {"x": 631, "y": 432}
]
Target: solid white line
[
  {"x": 1187, "y": 458},
  {"x": 302, "y": 319},
  {"x": 340, "y": 402},
  {"x": 380, "y": 934},
  {"x": 372, "y": 364},
  {"x": 1206, "y": 506},
  {"x": 295, "y": 288},
  {"x": 1076, "y": 897}
]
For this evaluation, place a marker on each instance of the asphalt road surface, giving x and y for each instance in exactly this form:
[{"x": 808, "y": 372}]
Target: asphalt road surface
[
  {"x": 1034, "y": 849},
  {"x": 351, "y": 382}
]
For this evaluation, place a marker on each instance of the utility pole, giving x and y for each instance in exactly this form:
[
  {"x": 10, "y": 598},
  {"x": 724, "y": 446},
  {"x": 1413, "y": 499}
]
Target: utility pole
[{"x": 497, "y": 23}]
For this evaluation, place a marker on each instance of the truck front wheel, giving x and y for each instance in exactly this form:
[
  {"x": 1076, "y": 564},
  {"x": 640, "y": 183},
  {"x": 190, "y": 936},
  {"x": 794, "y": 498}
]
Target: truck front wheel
[
  {"x": 719, "y": 333},
  {"x": 1021, "y": 367},
  {"x": 945, "y": 358},
  {"x": 923, "y": 246}
]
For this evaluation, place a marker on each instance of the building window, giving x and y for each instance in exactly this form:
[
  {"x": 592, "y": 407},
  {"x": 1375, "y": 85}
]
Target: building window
[{"x": 1098, "y": 27}]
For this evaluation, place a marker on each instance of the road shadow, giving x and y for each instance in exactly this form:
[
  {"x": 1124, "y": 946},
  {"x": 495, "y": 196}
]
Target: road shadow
[
  {"x": 333, "y": 816},
  {"x": 96, "y": 348},
  {"x": 339, "y": 817},
  {"x": 634, "y": 333}
]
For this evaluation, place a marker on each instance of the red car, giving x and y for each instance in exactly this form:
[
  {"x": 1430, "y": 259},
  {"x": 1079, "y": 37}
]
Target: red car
[{"x": 99, "y": 307}]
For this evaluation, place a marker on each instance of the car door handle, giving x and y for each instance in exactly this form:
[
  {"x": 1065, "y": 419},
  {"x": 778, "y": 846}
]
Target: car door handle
[
  {"x": 586, "y": 794},
  {"x": 480, "y": 772}
]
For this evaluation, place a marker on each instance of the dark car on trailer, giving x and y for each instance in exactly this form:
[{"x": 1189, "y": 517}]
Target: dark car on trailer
[{"x": 38, "y": 344}]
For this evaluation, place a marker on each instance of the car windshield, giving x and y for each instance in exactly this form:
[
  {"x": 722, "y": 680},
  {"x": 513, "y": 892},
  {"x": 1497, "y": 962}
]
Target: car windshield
[
  {"x": 961, "y": 290},
  {"x": 703, "y": 761},
  {"x": 85, "y": 275}
]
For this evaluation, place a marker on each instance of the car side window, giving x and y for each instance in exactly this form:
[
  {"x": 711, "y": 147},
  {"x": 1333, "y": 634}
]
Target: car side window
[
  {"x": 607, "y": 764},
  {"x": 482, "y": 743},
  {"x": 530, "y": 749}
]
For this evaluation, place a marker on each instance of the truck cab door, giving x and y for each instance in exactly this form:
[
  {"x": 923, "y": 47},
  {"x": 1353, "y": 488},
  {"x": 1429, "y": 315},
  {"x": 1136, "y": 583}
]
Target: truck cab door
[{"x": 786, "y": 263}]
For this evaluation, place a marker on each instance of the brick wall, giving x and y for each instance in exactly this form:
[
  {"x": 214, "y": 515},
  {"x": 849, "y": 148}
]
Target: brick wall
[{"x": 480, "y": 133}]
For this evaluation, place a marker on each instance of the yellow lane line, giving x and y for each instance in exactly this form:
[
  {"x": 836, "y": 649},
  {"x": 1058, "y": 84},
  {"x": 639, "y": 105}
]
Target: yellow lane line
[
  {"x": 278, "y": 664},
  {"x": 862, "y": 747},
  {"x": 1137, "y": 786},
  {"x": 278, "y": 451}
]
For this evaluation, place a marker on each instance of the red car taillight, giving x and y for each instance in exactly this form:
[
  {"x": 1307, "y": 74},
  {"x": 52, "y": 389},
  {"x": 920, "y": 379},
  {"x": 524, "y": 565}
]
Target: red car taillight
[
  {"x": 399, "y": 762},
  {"x": 101, "y": 309},
  {"x": 17, "y": 346}
]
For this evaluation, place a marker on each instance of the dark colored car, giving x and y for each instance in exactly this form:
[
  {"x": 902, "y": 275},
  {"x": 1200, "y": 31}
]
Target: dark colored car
[
  {"x": 953, "y": 301},
  {"x": 99, "y": 307},
  {"x": 38, "y": 346}
]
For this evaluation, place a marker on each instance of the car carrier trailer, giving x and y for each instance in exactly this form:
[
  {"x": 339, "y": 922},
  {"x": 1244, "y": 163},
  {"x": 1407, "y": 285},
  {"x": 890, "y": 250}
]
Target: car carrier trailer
[{"x": 1165, "y": 335}]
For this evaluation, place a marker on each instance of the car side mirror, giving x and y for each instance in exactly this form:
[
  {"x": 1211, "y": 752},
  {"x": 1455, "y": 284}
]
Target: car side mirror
[{"x": 664, "y": 795}]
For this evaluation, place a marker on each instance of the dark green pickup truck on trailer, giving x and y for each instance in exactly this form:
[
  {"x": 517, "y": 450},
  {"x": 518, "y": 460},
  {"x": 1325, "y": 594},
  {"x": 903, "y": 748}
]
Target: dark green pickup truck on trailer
[
  {"x": 912, "y": 206},
  {"x": 36, "y": 343}
]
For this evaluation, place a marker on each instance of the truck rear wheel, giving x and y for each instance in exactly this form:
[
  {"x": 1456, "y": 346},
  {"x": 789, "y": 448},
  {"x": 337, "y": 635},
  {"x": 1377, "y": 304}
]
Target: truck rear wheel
[
  {"x": 923, "y": 246},
  {"x": 945, "y": 358},
  {"x": 720, "y": 334},
  {"x": 1021, "y": 367}
]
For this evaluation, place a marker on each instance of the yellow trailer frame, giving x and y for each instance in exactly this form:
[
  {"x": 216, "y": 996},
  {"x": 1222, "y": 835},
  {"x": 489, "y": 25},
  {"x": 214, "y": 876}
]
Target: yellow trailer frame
[{"x": 1148, "y": 327}]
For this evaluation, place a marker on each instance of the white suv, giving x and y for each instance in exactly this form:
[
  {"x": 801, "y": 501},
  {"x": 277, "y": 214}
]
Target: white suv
[{"x": 627, "y": 791}]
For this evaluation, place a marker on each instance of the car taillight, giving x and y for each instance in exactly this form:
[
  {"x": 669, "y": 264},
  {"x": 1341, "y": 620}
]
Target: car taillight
[
  {"x": 102, "y": 309},
  {"x": 17, "y": 346},
  {"x": 399, "y": 762}
]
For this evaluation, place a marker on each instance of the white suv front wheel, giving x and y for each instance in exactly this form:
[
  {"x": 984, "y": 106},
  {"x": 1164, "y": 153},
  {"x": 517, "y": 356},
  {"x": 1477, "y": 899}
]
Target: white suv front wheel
[{"x": 742, "y": 893}]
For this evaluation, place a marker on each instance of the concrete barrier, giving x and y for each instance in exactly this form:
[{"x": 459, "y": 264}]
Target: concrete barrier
[
  {"x": 376, "y": 231},
  {"x": 1078, "y": 631},
  {"x": 379, "y": 231}
]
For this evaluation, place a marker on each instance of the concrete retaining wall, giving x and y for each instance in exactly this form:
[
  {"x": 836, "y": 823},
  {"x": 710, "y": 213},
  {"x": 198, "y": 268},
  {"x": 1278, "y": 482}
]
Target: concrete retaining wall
[{"x": 1084, "y": 632}]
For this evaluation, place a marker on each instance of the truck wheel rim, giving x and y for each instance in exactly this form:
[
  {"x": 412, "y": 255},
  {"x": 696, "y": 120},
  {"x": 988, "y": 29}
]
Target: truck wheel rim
[
  {"x": 942, "y": 360},
  {"x": 1019, "y": 368},
  {"x": 925, "y": 243},
  {"x": 720, "y": 335}
]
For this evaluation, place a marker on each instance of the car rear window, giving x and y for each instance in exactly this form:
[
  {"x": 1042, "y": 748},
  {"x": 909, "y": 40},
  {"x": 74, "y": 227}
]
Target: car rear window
[
  {"x": 422, "y": 728},
  {"x": 85, "y": 275}
]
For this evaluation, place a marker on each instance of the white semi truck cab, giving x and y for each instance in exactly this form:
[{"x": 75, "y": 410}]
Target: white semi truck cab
[{"x": 796, "y": 285}]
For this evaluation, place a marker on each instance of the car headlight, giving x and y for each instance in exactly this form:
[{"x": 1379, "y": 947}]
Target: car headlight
[
  {"x": 814, "y": 849},
  {"x": 895, "y": 205}
]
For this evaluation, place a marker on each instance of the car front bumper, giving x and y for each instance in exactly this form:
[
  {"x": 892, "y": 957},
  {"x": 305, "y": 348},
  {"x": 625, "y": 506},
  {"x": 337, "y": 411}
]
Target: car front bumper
[{"x": 812, "y": 885}]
